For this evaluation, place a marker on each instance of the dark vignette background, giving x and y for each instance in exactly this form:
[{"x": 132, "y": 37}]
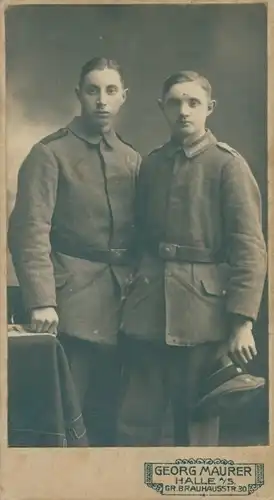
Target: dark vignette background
[{"x": 47, "y": 45}]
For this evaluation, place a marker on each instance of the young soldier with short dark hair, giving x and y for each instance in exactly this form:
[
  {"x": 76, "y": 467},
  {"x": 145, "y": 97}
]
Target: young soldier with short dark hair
[
  {"x": 201, "y": 275},
  {"x": 71, "y": 238}
]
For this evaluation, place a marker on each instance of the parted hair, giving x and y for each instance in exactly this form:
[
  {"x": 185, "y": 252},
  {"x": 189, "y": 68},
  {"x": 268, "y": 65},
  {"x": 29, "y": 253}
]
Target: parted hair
[
  {"x": 186, "y": 76},
  {"x": 100, "y": 63}
]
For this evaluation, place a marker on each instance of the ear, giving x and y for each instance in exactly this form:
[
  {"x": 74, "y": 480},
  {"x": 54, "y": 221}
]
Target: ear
[
  {"x": 125, "y": 94},
  {"x": 77, "y": 92},
  {"x": 211, "y": 106},
  {"x": 160, "y": 104}
]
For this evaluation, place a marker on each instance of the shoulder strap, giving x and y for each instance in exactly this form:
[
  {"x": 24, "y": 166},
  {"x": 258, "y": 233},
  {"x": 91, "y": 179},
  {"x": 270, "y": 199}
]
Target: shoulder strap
[
  {"x": 62, "y": 132},
  {"x": 229, "y": 149}
]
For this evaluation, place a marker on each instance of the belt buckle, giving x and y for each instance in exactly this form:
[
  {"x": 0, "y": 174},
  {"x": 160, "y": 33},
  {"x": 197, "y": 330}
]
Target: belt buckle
[{"x": 167, "y": 250}]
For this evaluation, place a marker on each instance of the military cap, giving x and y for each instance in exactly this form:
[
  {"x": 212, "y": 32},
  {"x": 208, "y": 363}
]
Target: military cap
[{"x": 227, "y": 387}]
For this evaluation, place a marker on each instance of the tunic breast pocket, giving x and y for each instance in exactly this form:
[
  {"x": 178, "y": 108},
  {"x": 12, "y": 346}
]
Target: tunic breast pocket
[{"x": 118, "y": 180}]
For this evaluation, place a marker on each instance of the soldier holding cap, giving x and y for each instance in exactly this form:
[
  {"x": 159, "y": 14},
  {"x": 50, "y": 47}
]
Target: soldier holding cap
[
  {"x": 201, "y": 273},
  {"x": 71, "y": 237}
]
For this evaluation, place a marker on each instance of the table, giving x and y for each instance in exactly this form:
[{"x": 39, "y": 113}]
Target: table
[{"x": 43, "y": 410}]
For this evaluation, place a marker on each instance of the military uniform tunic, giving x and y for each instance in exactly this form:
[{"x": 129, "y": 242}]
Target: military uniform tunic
[
  {"x": 203, "y": 251},
  {"x": 79, "y": 191}
]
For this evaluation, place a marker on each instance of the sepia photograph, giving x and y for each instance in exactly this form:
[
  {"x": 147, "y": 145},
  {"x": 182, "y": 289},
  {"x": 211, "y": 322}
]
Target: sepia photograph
[{"x": 137, "y": 255}]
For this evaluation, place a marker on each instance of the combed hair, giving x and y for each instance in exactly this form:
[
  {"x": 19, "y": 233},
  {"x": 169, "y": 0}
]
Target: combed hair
[
  {"x": 186, "y": 76},
  {"x": 100, "y": 63}
]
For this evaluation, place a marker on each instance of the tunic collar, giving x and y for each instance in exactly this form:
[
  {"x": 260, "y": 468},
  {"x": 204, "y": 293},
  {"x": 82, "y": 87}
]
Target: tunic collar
[
  {"x": 191, "y": 150},
  {"x": 76, "y": 126}
]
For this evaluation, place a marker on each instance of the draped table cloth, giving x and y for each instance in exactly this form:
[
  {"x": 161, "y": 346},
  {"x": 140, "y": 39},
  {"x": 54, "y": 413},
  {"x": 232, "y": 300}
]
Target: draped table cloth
[{"x": 43, "y": 410}]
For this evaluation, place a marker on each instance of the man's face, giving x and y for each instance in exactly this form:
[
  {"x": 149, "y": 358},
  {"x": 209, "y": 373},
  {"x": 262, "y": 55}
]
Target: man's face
[
  {"x": 101, "y": 96},
  {"x": 186, "y": 106}
]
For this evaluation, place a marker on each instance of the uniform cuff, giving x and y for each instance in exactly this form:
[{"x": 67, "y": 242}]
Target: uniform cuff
[{"x": 240, "y": 320}]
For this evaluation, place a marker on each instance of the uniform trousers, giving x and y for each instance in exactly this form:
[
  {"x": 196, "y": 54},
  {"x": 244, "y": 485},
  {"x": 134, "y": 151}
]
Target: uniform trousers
[
  {"x": 95, "y": 370},
  {"x": 155, "y": 375}
]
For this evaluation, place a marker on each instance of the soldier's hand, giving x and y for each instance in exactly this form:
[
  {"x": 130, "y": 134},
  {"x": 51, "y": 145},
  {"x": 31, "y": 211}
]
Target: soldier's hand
[
  {"x": 44, "y": 320},
  {"x": 241, "y": 345}
]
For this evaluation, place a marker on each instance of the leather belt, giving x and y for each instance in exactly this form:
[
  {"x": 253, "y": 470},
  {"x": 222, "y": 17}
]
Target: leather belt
[
  {"x": 114, "y": 256},
  {"x": 174, "y": 252}
]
